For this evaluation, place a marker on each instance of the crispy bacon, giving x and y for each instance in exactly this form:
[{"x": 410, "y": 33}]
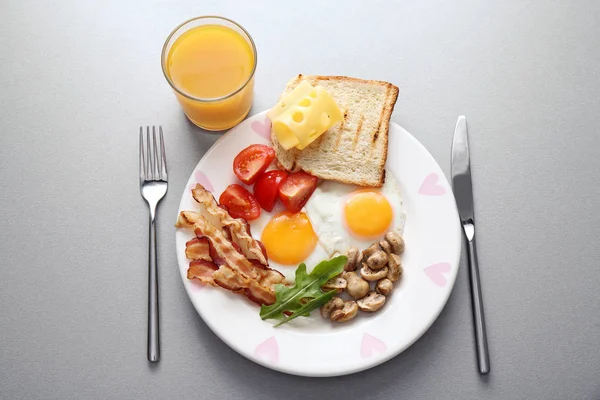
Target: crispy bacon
[
  {"x": 258, "y": 265},
  {"x": 186, "y": 219},
  {"x": 228, "y": 279},
  {"x": 213, "y": 254},
  {"x": 270, "y": 277},
  {"x": 260, "y": 244},
  {"x": 224, "y": 253},
  {"x": 237, "y": 228},
  {"x": 263, "y": 249},
  {"x": 260, "y": 294},
  {"x": 198, "y": 249},
  {"x": 221, "y": 250},
  {"x": 202, "y": 271},
  {"x": 223, "y": 276},
  {"x": 261, "y": 291},
  {"x": 238, "y": 248}
]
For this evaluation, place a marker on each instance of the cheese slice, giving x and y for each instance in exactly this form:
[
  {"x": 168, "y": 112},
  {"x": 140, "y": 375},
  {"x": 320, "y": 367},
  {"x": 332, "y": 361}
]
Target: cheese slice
[
  {"x": 303, "y": 115},
  {"x": 298, "y": 93}
]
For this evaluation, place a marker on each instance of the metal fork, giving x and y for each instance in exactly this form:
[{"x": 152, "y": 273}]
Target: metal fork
[{"x": 153, "y": 186}]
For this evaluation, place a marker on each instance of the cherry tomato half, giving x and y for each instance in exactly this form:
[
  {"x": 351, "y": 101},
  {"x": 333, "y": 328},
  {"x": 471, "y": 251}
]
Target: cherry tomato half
[
  {"x": 252, "y": 161},
  {"x": 240, "y": 202},
  {"x": 266, "y": 188},
  {"x": 296, "y": 189}
]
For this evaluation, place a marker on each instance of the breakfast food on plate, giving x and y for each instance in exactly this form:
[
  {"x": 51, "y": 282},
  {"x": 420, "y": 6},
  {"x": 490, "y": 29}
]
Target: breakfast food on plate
[
  {"x": 223, "y": 253},
  {"x": 353, "y": 151},
  {"x": 306, "y": 294},
  {"x": 239, "y": 202},
  {"x": 319, "y": 229},
  {"x": 345, "y": 216},
  {"x": 381, "y": 267},
  {"x": 235, "y": 228},
  {"x": 252, "y": 161},
  {"x": 335, "y": 218},
  {"x": 302, "y": 115},
  {"x": 266, "y": 189}
]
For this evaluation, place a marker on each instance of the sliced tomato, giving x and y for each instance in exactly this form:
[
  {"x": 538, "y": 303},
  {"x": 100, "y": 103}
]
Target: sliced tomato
[
  {"x": 240, "y": 202},
  {"x": 296, "y": 189},
  {"x": 252, "y": 161},
  {"x": 266, "y": 188}
]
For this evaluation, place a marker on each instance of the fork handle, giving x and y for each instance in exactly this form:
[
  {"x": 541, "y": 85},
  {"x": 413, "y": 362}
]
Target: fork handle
[{"x": 153, "y": 334}]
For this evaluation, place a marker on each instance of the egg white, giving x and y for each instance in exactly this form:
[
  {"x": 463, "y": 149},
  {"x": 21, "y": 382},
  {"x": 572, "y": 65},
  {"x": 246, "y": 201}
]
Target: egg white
[{"x": 325, "y": 209}]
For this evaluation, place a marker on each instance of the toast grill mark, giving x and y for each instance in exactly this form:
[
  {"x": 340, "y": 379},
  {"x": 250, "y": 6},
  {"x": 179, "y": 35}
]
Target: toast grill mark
[
  {"x": 340, "y": 131},
  {"x": 381, "y": 116},
  {"x": 358, "y": 129}
]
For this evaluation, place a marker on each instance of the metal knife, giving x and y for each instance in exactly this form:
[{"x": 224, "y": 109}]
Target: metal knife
[{"x": 463, "y": 192}]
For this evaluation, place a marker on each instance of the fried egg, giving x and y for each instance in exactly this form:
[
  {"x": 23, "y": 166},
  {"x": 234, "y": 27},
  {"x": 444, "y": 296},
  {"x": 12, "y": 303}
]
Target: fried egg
[
  {"x": 345, "y": 216},
  {"x": 289, "y": 239},
  {"x": 337, "y": 216}
]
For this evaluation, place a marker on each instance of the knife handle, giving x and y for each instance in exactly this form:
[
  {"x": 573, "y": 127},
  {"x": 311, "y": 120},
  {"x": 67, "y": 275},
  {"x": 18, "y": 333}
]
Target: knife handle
[{"x": 483, "y": 357}]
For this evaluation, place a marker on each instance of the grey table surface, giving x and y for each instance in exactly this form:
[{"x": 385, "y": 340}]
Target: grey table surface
[{"x": 78, "y": 78}]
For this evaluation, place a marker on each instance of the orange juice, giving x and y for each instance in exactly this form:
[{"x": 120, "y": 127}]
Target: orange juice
[{"x": 211, "y": 67}]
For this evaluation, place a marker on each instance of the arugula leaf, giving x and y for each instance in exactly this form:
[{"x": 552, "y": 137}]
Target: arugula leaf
[
  {"x": 311, "y": 305},
  {"x": 306, "y": 294}
]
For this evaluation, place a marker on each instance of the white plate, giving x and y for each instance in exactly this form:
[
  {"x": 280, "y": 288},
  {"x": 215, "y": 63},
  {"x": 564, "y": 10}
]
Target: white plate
[{"x": 313, "y": 346}]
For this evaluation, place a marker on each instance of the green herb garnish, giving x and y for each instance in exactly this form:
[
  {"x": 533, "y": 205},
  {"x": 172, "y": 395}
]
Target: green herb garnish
[{"x": 306, "y": 294}]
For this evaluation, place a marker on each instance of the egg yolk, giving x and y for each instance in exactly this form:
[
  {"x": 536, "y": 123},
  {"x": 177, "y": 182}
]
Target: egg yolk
[
  {"x": 289, "y": 238},
  {"x": 368, "y": 213}
]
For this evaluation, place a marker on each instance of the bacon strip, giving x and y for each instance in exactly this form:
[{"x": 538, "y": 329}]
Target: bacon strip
[
  {"x": 238, "y": 228},
  {"x": 270, "y": 277},
  {"x": 198, "y": 249},
  {"x": 203, "y": 271},
  {"x": 223, "y": 276},
  {"x": 235, "y": 272},
  {"x": 222, "y": 251},
  {"x": 260, "y": 294},
  {"x": 187, "y": 219},
  {"x": 224, "y": 254},
  {"x": 228, "y": 279}
]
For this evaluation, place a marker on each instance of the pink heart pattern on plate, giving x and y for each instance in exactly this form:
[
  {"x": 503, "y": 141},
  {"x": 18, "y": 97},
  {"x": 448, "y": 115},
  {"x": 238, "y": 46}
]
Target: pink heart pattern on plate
[
  {"x": 263, "y": 128},
  {"x": 268, "y": 350},
  {"x": 430, "y": 186},
  {"x": 202, "y": 179},
  {"x": 370, "y": 345},
  {"x": 436, "y": 272}
]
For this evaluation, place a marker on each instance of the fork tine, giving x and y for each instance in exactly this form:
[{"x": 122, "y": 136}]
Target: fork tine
[
  {"x": 156, "y": 163},
  {"x": 163, "y": 155},
  {"x": 142, "y": 158},
  {"x": 149, "y": 169}
]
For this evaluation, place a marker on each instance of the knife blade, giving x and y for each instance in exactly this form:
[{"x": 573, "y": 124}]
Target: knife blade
[
  {"x": 461, "y": 171},
  {"x": 463, "y": 193}
]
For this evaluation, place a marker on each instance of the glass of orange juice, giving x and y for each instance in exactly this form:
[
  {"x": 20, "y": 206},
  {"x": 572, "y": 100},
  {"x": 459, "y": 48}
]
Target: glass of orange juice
[{"x": 210, "y": 62}]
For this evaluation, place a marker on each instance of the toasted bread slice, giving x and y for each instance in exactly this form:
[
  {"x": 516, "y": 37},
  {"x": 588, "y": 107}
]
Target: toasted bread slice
[{"x": 353, "y": 151}]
